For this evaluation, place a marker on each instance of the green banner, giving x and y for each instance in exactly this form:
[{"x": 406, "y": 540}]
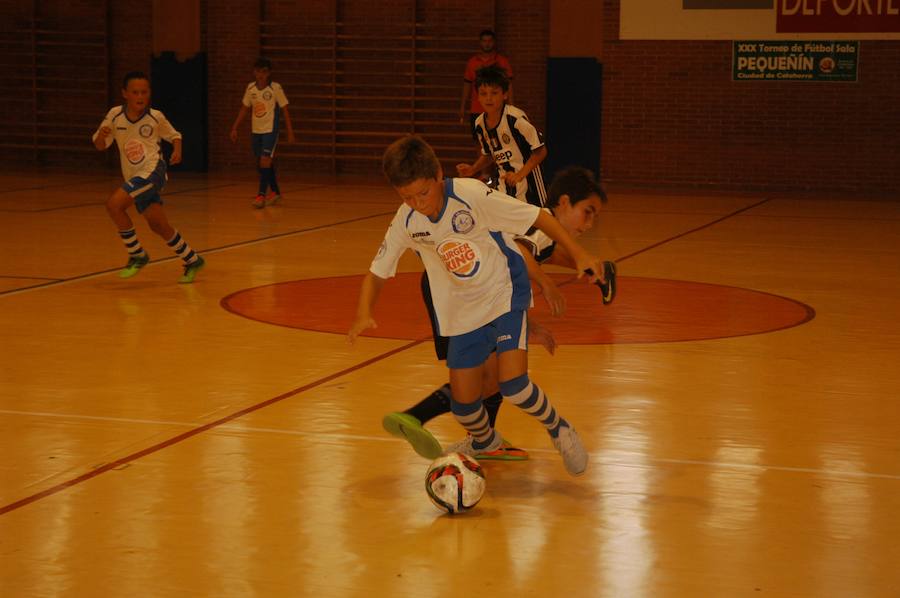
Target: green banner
[{"x": 795, "y": 60}]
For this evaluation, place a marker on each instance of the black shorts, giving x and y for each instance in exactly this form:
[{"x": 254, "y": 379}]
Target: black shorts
[{"x": 441, "y": 343}]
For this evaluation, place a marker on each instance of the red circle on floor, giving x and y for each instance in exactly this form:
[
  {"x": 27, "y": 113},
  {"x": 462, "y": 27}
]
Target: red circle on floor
[{"x": 646, "y": 310}]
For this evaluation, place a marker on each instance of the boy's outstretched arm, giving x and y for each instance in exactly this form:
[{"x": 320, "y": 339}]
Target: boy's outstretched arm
[
  {"x": 466, "y": 94},
  {"x": 368, "y": 297},
  {"x": 100, "y": 138},
  {"x": 237, "y": 121},
  {"x": 537, "y": 156},
  {"x": 467, "y": 170},
  {"x": 288, "y": 125},
  {"x": 583, "y": 260},
  {"x": 541, "y": 335},
  {"x": 554, "y": 298},
  {"x": 175, "y": 158}
]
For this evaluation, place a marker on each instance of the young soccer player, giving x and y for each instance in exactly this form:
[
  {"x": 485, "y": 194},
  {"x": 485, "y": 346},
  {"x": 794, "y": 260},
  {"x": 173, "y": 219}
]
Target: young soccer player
[
  {"x": 267, "y": 99},
  {"x": 463, "y": 231},
  {"x": 137, "y": 128},
  {"x": 508, "y": 139},
  {"x": 575, "y": 198}
]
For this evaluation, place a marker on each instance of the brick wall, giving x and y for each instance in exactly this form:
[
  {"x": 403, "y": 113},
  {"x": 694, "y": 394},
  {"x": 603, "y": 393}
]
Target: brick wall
[
  {"x": 672, "y": 116},
  {"x": 523, "y": 33},
  {"x": 231, "y": 38}
]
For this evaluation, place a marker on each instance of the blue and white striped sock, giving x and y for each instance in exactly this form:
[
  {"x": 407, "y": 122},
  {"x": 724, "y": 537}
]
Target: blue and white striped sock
[
  {"x": 182, "y": 249},
  {"x": 474, "y": 418},
  {"x": 132, "y": 244},
  {"x": 531, "y": 399}
]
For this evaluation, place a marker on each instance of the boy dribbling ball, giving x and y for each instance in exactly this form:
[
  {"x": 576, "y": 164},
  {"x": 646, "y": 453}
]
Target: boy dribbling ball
[{"x": 463, "y": 231}]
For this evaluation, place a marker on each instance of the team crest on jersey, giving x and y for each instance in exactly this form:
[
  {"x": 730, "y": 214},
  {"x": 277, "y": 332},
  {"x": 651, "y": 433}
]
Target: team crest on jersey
[
  {"x": 134, "y": 151},
  {"x": 460, "y": 257},
  {"x": 267, "y": 95},
  {"x": 146, "y": 130},
  {"x": 506, "y": 139},
  {"x": 462, "y": 222}
]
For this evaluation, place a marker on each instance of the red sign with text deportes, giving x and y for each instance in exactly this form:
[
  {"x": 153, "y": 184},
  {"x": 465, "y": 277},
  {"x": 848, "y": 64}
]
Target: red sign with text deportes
[{"x": 837, "y": 16}]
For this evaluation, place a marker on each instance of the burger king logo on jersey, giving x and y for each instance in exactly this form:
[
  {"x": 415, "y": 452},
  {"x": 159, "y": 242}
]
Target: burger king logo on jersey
[
  {"x": 134, "y": 151},
  {"x": 460, "y": 257},
  {"x": 259, "y": 109}
]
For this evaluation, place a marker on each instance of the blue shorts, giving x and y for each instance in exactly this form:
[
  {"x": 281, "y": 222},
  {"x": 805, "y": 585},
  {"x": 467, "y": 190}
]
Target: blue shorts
[
  {"x": 145, "y": 191},
  {"x": 264, "y": 144},
  {"x": 507, "y": 333}
]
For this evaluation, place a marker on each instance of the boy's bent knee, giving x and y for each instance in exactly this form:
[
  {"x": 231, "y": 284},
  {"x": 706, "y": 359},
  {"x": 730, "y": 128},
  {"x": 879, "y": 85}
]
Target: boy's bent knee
[
  {"x": 514, "y": 386},
  {"x": 118, "y": 202}
]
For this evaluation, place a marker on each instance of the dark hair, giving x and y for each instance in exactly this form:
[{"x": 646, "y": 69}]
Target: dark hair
[
  {"x": 262, "y": 63},
  {"x": 487, "y": 32},
  {"x": 493, "y": 76},
  {"x": 576, "y": 182},
  {"x": 409, "y": 159},
  {"x": 134, "y": 75}
]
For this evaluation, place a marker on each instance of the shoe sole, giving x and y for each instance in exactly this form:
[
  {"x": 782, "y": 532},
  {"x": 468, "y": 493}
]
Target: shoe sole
[
  {"x": 129, "y": 272},
  {"x": 418, "y": 438},
  {"x": 500, "y": 455},
  {"x": 608, "y": 289}
]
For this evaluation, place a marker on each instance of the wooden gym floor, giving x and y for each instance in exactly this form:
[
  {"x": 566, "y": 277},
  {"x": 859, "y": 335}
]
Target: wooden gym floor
[{"x": 739, "y": 401}]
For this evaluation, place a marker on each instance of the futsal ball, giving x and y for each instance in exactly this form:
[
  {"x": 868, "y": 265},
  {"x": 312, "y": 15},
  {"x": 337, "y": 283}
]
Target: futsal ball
[{"x": 454, "y": 482}]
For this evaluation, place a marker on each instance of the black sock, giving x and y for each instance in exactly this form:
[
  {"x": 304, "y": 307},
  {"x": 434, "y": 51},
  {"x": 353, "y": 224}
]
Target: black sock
[
  {"x": 492, "y": 406},
  {"x": 263, "y": 180},
  {"x": 272, "y": 182},
  {"x": 435, "y": 404}
]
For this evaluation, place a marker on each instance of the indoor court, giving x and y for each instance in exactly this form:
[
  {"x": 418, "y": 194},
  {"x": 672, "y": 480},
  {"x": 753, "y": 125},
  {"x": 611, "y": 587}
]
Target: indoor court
[
  {"x": 219, "y": 437},
  {"x": 738, "y": 401}
]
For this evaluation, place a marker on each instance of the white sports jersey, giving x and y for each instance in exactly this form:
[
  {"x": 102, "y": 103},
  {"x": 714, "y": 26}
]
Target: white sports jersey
[
  {"x": 511, "y": 144},
  {"x": 264, "y": 104},
  {"x": 475, "y": 269},
  {"x": 138, "y": 141},
  {"x": 539, "y": 243}
]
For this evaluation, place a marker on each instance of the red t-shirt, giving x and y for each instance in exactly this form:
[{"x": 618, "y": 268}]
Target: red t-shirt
[{"x": 476, "y": 62}]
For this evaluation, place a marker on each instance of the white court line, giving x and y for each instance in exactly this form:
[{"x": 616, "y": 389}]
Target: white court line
[{"x": 643, "y": 463}]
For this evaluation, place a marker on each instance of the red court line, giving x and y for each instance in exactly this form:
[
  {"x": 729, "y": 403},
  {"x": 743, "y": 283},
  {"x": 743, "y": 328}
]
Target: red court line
[
  {"x": 190, "y": 433},
  {"x": 198, "y": 430}
]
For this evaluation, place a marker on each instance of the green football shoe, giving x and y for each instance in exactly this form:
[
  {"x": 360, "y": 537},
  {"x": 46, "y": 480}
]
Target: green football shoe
[
  {"x": 404, "y": 425},
  {"x": 190, "y": 270},
  {"x": 134, "y": 265}
]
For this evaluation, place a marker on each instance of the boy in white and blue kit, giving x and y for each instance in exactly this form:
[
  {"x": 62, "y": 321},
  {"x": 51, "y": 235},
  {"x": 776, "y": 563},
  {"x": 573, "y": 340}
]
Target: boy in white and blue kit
[
  {"x": 463, "y": 231},
  {"x": 267, "y": 101},
  {"x": 137, "y": 129}
]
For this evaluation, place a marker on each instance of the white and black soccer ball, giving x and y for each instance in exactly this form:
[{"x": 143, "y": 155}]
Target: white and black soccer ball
[{"x": 455, "y": 482}]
